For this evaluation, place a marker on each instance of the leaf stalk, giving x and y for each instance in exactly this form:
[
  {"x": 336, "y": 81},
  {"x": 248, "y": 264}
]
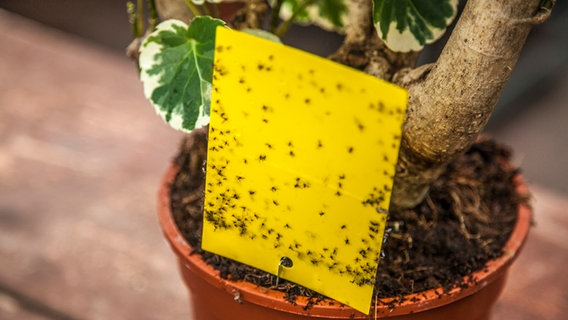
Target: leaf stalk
[
  {"x": 193, "y": 8},
  {"x": 283, "y": 28}
]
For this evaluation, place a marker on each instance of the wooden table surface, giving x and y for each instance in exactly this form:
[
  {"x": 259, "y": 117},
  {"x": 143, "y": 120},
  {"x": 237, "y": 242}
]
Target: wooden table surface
[{"x": 81, "y": 156}]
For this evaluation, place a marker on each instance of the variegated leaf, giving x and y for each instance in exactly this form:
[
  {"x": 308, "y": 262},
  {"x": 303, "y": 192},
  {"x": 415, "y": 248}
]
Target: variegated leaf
[
  {"x": 328, "y": 14},
  {"x": 176, "y": 68},
  {"x": 407, "y": 25}
]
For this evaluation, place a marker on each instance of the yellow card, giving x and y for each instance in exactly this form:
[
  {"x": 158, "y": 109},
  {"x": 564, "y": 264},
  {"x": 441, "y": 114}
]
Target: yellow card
[{"x": 301, "y": 160}]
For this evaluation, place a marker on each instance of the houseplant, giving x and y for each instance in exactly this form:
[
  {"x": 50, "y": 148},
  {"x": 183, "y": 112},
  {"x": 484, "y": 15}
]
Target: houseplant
[{"x": 450, "y": 101}]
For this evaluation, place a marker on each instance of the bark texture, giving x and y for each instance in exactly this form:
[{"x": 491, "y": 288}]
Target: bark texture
[{"x": 451, "y": 102}]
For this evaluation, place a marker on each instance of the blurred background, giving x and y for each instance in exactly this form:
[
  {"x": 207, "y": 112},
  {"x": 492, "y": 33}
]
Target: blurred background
[{"x": 82, "y": 154}]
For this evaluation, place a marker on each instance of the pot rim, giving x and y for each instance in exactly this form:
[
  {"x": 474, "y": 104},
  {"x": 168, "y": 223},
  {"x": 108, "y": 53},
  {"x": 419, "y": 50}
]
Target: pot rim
[{"x": 412, "y": 303}]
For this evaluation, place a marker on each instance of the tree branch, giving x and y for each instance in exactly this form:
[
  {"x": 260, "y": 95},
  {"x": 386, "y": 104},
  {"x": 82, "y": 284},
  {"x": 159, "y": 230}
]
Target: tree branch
[{"x": 449, "y": 108}]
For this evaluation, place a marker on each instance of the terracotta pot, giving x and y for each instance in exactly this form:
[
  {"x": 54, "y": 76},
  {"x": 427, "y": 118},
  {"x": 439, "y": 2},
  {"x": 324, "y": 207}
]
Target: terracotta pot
[{"x": 213, "y": 298}]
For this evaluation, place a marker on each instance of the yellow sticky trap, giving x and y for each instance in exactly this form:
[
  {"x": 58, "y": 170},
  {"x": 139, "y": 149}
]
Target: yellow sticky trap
[{"x": 301, "y": 159}]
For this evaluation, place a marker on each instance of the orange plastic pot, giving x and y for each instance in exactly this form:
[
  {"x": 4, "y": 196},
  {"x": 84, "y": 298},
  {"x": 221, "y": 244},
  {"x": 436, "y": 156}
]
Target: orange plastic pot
[{"x": 213, "y": 298}]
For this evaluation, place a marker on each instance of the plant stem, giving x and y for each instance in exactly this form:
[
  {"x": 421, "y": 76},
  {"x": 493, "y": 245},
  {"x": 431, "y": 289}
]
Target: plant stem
[
  {"x": 193, "y": 8},
  {"x": 153, "y": 18},
  {"x": 216, "y": 11},
  {"x": 281, "y": 31},
  {"x": 451, "y": 105},
  {"x": 140, "y": 17},
  {"x": 275, "y": 15},
  {"x": 206, "y": 9},
  {"x": 131, "y": 11}
]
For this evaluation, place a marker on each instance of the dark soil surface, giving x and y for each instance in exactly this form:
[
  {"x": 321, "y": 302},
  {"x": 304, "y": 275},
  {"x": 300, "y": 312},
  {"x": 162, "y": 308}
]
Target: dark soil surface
[{"x": 464, "y": 222}]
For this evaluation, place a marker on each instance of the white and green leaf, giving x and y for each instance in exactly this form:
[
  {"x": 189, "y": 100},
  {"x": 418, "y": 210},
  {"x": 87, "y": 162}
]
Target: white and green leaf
[
  {"x": 407, "y": 25},
  {"x": 328, "y": 14},
  {"x": 176, "y": 69}
]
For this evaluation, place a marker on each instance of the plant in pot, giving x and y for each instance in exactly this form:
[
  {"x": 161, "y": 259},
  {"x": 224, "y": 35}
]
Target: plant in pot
[{"x": 287, "y": 149}]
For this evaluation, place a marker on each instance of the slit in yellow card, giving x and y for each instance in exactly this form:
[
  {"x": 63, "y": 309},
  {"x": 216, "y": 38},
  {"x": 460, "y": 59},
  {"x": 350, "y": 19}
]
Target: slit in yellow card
[{"x": 301, "y": 159}]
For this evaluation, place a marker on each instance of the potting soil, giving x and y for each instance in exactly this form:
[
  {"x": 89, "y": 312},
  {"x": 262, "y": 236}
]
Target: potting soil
[{"x": 464, "y": 222}]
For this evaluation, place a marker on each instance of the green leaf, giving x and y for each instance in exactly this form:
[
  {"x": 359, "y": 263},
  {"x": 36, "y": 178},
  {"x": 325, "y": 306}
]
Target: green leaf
[
  {"x": 407, "y": 25},
  {"x": 176, "y": 68}
]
